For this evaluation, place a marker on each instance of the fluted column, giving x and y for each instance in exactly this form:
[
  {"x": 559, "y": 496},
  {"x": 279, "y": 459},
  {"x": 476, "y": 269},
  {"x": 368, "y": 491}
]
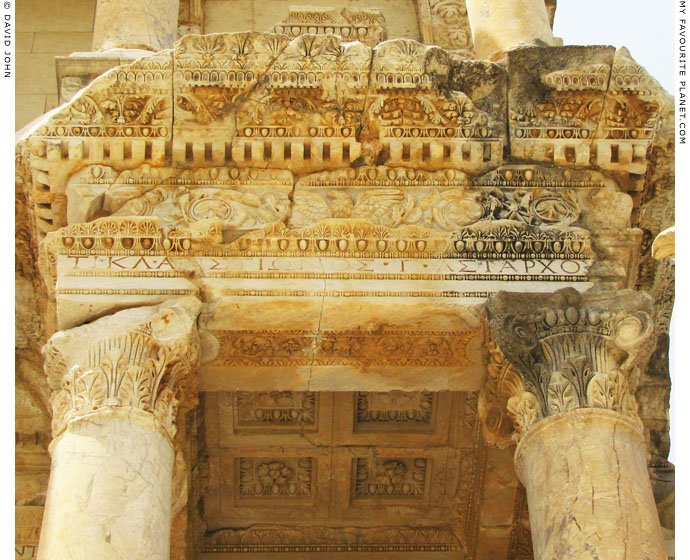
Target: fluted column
[
  {"x": 566, "y": 366},
  {"x": 135, "y": 24},
  {"x": 117, "y": 384},
  {"x": 500, "y": 25}
]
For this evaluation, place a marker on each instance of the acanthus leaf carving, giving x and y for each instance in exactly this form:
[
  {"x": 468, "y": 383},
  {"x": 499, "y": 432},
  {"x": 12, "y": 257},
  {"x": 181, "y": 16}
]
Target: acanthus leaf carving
[
  {"x": 570, "y": 351},
  {"x": 142, "y": 358}
]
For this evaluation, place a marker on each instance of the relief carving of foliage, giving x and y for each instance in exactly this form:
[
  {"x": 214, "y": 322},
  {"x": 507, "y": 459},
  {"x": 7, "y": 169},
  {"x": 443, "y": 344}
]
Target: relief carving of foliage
[
  {"x": 156, "y": 387},
  {"x": 148, "y": 367},
  {"x": 561, "y": 395},
  {"x": 573, "y": 356},
  {"x": 525, "y": 410},
  {"x": 420, "y": 110},
  {"x": 115, "y": 109},
  {"x": 207, "y": 103},
  {"x": 182, "y": 206},
  {"x": 386, "y": 207},
  {"x": 612, "y": 391},
  {"x": 577, "y": 369},
  {"x": 564, "y": 109},
  {"x": 448, "y": 210}
]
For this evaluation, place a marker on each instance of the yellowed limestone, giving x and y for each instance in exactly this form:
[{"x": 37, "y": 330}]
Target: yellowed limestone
[{"x": 588, "y": 488}]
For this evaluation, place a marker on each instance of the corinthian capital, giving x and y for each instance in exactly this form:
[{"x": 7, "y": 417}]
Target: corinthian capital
[
  {"x": 141, "y": 358},
  {"x": 570, "y": 350}
]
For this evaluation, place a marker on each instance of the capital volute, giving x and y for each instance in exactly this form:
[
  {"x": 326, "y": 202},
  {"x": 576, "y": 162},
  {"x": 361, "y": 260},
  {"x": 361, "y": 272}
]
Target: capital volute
[
  {"x": 570, "y": 350},
  {"x": 143, "y": 358}
]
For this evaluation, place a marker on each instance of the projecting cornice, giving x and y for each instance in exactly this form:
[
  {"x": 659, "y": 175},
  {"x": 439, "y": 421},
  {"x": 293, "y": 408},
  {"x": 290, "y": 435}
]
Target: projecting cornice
[
  {"x": 234, "y": 145},
  {"x": 317, "y": 103}
]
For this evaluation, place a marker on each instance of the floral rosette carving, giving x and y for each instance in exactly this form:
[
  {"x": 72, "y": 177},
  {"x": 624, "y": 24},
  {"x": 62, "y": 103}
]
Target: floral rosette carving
[
  {"x": 141, "y": 358},
  {"x": 571, "y": 351}
]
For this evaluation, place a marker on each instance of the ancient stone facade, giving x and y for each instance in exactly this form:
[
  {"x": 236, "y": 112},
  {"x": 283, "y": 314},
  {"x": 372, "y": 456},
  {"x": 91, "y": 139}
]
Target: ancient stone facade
[{"x": 332, "y": 288}]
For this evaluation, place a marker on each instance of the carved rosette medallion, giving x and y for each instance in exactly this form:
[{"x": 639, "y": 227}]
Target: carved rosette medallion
[
  {"x": 261, "y": 478},
  {"x": 559, "y": 352},
  {"x": 141, "y": 358}
]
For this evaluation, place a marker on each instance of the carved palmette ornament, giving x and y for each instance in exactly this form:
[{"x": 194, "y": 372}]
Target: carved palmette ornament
[
  {"x": 571, "y": 351},
  {"x": 141, "y": 358}
]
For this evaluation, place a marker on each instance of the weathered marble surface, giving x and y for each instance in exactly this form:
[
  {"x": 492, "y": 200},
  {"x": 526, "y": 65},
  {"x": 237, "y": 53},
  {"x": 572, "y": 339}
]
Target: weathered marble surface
[
  {"x": 142, "y": 358},
  {"x": 109, "y": 494},
  {"x": 135, "y": 24},
  {"x": 498, "y": 26},
  {"x": 588, "y": 488},
  {"x": 664, "y": 246},
  {"x": 343, "y": 210}
]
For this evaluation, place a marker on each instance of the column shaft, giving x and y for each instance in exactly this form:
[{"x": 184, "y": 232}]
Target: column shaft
[
  {"x": 588, "y": 488},
  {"x": 135, "y": 24},
  {"x": 500, "y": 25},
  {"x": 109, "y": 495},
  {"x": 117, "y": 386}
]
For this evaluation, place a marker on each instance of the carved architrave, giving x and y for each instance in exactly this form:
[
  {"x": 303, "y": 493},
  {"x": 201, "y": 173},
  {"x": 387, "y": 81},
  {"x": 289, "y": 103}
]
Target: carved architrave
[
  {"x": 268, "y": 538},
  {"x": 143, "y": 358},
  {"x": 356, "y": 347},
  {"x": 571, "y": 351}
]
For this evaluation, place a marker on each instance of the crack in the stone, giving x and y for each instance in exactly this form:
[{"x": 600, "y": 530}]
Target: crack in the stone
[
  {"x": 604, "y": 98},
  {"x": 362, "y": 118}
]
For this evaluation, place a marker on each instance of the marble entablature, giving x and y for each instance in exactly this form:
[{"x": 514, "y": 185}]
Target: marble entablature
[{"x": 338, "y": 214}]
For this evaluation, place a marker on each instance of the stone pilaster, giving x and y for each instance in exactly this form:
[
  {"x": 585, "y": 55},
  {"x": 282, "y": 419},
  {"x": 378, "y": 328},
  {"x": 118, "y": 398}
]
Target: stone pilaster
[
  {"x": 117, "y": 386},
  {"x": 500, "y": 25},
  {"x": 566, "y": 366},
  {"x": 135, "y": 24}
]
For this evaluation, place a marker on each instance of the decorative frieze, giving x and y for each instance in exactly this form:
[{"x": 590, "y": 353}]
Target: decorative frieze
[
  {"x": 273, "y": 539},
  {"x": 599, "y": 104},
  {"x": 133, "y": 102},
  {"x": 141, "y": 358},
  {"x": 367, "y": 26},
  {"x": 358, "y": 348}
]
